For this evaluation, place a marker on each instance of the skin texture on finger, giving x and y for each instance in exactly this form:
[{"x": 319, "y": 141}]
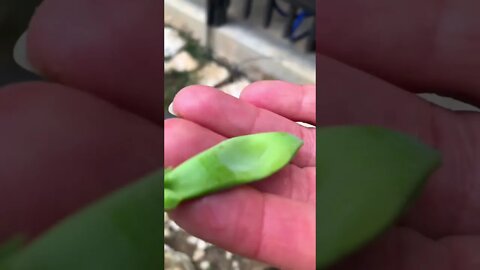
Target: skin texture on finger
[
  {"x": 234, "y": 117},
  {"x": 257, "y": 225},
  {"x": 405, "y": 249},
  {"x": 420, "y": 45},
  {"x": 291, "y": 182},
  {"x": 61, "y": 149},
  {"x": 292, "y": 101},
  {"x": 449, "y": 202},
  {"x": 112, "y": 49},
  {"x": 183, "y": 139}
]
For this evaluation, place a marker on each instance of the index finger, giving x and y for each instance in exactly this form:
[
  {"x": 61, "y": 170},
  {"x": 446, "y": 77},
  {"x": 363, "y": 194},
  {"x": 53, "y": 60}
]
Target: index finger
[
  {"x": 293, "y": 101},
  {"x": 231, "y": 117},
  {"x": 112, "y": 49}
]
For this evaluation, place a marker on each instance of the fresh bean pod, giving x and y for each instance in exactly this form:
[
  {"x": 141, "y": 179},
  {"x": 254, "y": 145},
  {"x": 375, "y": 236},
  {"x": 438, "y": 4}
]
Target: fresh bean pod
[
  {"x": 366, "y": 177},
  {"x": 233, "y": 162},
  {"x": 123, "y": 231}
]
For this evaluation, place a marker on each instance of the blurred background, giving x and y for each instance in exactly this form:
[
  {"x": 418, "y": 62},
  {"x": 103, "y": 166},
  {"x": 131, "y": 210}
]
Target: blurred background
[
  {"x": 14, "y": 18},
  {"x": 227, "y": 45}
]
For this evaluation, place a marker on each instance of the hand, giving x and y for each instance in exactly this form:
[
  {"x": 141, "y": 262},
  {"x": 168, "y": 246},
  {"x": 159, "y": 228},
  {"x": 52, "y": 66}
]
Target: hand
[
  {"x": 428, "y": 47},
  {"x": 272, "y": 220},
  {"x": 96, "y": 125}
]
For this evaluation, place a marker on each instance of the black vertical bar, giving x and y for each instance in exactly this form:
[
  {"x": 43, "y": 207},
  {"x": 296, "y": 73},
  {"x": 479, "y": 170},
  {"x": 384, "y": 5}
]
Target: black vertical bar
[
  {"x": 211, "y": 6},
  {"x": 292, "y": 13},
  {"x": 247, "y": 9},
  {"x": 221, "y": 15},
  {"x": 311, "y": 41},
  {"x": 268, "y": 13},
  {"x": 217, "y": 12}
]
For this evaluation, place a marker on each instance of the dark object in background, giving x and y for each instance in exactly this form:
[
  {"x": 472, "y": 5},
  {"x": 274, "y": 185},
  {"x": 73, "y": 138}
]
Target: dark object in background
[
  {"x": 14, "y": 19},
  {"x": 217, "y": 12},
  {"x": 297, "y": 12}
]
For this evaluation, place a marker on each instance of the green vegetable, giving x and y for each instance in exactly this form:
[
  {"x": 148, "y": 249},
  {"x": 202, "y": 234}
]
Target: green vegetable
[
  {"x": 124, "y": 231},
  {"x": 366, "y": 176},
  {"x": 10, "y": 247},
  {"x": 233, "y": 162}
]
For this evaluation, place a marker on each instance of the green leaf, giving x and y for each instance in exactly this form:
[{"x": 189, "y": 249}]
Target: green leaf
[
  {"x": 366, "y": 177},
  {"x": 124, "y": 231}
]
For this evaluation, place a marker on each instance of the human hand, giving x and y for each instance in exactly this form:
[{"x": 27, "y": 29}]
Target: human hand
[
  {"x": 96, "y": 125},
  {"x": 272, "y": 220},
  {"x": 410, "y": 47}
]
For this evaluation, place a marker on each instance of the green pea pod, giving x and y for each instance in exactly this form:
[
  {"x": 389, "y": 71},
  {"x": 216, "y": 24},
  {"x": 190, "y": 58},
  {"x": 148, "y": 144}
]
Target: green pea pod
[
  {"x": 366, "y": 176},
  {"x": 233, "y": 162},
  {"x": 123, "y": 231}
]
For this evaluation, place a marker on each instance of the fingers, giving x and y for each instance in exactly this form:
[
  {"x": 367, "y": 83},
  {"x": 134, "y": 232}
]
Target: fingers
[
  {"x": 349, "y": 96},
  {"x": 433, "y": 50},
  {"x": 401, "y": 249},
  {"x": 230, "y": 117},
  {"x": 111, "y": 49},
  {"x": 61, "y": 149},
  {"x": 291, "y": 182},
  {"x": 291, "y": 101},
  {"x": 264, "y": 227},
  {"x": 183, "y": 139},
  {"x": 405, "y": 249}
]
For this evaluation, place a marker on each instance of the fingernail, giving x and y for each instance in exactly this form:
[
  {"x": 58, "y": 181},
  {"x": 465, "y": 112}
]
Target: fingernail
[
  {"x": 306, "y": 125},
  {"x": 20, "y": 54},
  {"x": 170, "y": 109}
]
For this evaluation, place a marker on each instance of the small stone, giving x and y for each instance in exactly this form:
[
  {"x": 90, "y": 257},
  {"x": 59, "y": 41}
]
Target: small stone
[
  {"x": 192, "y": 240},
  {"x": 173, "y": 42},
  {"x": 235, "y": 265},
  {"x": 205, "y": 265},
  {"x": 212, "y": 74},
  {"x": 202, "y": 244},
  {"x": 198, "y": 254},
  {"x": 167, "y": 19},
  {"x": 174, "y": 226},
  {"x": 228, "y": 255},
  {"x": 235, "y": 88},
  {"x": 176, "y": 260},
  {"x": 182, "y": 62}
]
